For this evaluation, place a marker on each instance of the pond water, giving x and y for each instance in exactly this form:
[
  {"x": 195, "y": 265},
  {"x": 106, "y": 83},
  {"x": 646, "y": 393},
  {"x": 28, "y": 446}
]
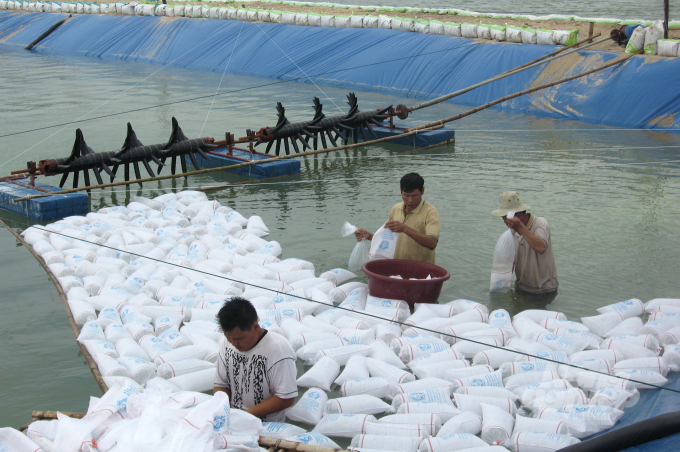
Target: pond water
[{"x": 610, "y": 195}]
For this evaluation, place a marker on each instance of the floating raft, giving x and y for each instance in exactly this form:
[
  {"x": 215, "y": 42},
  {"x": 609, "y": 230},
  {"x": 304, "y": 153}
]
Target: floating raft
[{"x": 41, "y": 209}]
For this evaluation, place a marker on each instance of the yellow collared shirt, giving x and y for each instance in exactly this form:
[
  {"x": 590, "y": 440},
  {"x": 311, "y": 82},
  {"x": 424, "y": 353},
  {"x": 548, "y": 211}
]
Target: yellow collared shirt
[{"x": 424, "y": 219}]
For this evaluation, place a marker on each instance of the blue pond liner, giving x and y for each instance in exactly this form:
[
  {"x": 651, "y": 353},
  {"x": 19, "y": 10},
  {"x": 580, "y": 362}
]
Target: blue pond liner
[
  {"x": 42, "y": 209},
  {"x": 638, "y": 93}
]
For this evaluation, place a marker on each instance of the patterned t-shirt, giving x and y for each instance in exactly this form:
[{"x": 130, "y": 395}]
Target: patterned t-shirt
[{"x": 253, "y": 376}]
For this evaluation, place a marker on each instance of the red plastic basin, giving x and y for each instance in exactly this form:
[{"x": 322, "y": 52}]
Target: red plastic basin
[{"x": 412, "y": 291}]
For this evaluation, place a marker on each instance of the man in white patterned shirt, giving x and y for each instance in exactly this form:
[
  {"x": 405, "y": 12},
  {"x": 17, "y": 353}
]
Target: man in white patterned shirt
[{"x": 255, "y": 369}]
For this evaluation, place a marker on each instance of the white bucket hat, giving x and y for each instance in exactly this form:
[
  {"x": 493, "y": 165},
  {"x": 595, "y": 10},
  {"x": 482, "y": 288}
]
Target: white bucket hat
[{"x": 510, "y": 201}]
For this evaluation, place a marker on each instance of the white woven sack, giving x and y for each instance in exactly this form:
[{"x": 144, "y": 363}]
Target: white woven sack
[
  {"x": 389, "y": 429},
  {"x": 497, "y": 425},
  {"x": 367, "y": 442},
  {"x": 327, "y": 21},
  {"x": 466, "y": 422},
  {"x": 613, "y": 398},
  {"x": 528, "y": 424},
  {"x": 342, "y": 425},
  {"x": 473, "y": 403},
  {"x": 453, "y": 30},
  {"x": 540, "y": 442},
  {"x": 321, "y": 375},
  {"x": 435, "y": 395},
  {"x": 375, "y": 386},
  {"x": 604, "y": 417},
  {"x": 488, "y": 391},
  {"x": 629, "y": 308},
  {"x": 358, "y": 404},
  {"x": 310, "y": 408},
  {"x": 445, "y": 411},
  {"x": 280, "y": 430},
  {"x": 468, "y": 30},
  {"x": 456, "y": 441}
]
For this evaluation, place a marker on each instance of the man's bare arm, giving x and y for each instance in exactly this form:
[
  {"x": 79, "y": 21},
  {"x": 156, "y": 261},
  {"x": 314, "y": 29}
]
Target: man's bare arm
[
  {"x": 421, "y": 239},
  {"x": 273, "y": 404},
  {"x": 217, "y": 389}
]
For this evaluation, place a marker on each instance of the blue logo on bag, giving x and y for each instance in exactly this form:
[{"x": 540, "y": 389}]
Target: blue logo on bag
[
  {"x": 580, "y": 409},
  {"x": 384, "y": 245},
  {"x": 314, "y": 395},
  {"x": 527, "y": 366},
  {"x": 550, "y": 337},
  {"x": 304, "y": 438},
  {"x": 386, "y": 303},
  {"x": 424, "y": 346},
  {"x": 418, "y": 397},
  {"x": 498, "y": 315},
  {"x": 287, "y": 312},
  {"x": 477, "y": 382},
  {"x": 218, "y": 422}
]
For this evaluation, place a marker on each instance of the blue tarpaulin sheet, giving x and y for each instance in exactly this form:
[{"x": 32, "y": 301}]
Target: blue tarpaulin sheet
[{"x": 638, "y": 93}]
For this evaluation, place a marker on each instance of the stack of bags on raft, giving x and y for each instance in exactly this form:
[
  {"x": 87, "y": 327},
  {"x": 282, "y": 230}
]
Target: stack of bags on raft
[
  {"x": 147, "y": 299},
  {"x": 447, "y": 377}
]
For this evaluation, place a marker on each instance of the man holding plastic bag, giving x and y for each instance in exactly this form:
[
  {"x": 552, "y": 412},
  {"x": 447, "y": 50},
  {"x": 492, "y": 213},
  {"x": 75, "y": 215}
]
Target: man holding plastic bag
[
  {"x": 256, "y": 370},
  {"x": 415, "y": 221},
  {"x": 534, "y": 259}
]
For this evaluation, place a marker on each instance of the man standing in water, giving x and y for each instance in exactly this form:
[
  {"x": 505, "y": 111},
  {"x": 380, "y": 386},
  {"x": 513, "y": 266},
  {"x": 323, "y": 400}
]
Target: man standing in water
[
  {"x": 415, "y": 219},
  {"x": 256, "y": 370},
  {"x": 534, "y": 259}
]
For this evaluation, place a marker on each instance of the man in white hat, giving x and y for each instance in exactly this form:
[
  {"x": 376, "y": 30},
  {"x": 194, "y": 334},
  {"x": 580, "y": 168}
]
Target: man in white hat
[{"x": 534, "y": 259}]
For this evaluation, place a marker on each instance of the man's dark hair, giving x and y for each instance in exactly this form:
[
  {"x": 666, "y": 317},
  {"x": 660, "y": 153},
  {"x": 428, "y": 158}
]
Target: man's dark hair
[
  {"x": 237, "y": 312},
  {"x": 412, "y": 181}
]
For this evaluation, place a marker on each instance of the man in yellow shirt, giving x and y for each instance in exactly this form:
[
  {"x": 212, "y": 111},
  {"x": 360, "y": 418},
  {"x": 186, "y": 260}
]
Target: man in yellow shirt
[{"x": 416, "y": 221}]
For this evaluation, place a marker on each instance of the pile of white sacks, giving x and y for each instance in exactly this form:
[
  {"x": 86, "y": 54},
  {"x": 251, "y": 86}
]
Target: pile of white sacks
[{"x": 531, "y": 383}]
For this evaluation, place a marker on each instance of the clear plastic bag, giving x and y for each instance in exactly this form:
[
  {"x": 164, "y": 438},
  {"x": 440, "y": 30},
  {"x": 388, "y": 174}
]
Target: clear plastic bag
[
  {"x": 503, "y": 260},
  {"x": 359, "y": 256}
]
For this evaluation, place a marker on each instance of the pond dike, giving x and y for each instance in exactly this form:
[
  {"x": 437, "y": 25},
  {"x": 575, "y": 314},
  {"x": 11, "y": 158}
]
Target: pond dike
[{"x": 640, "y": 93}]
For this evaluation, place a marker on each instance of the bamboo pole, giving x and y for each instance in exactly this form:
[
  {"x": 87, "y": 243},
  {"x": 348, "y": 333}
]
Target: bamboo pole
[
  {"x": 74, "y": 327},
  {"x": 521, "y": 93},
  {"x": 292, "y": 445},
  {"x": 228, "y": 167},
  {"x": 53, "y": 414},
  {"x": 517, "y": 70}
]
